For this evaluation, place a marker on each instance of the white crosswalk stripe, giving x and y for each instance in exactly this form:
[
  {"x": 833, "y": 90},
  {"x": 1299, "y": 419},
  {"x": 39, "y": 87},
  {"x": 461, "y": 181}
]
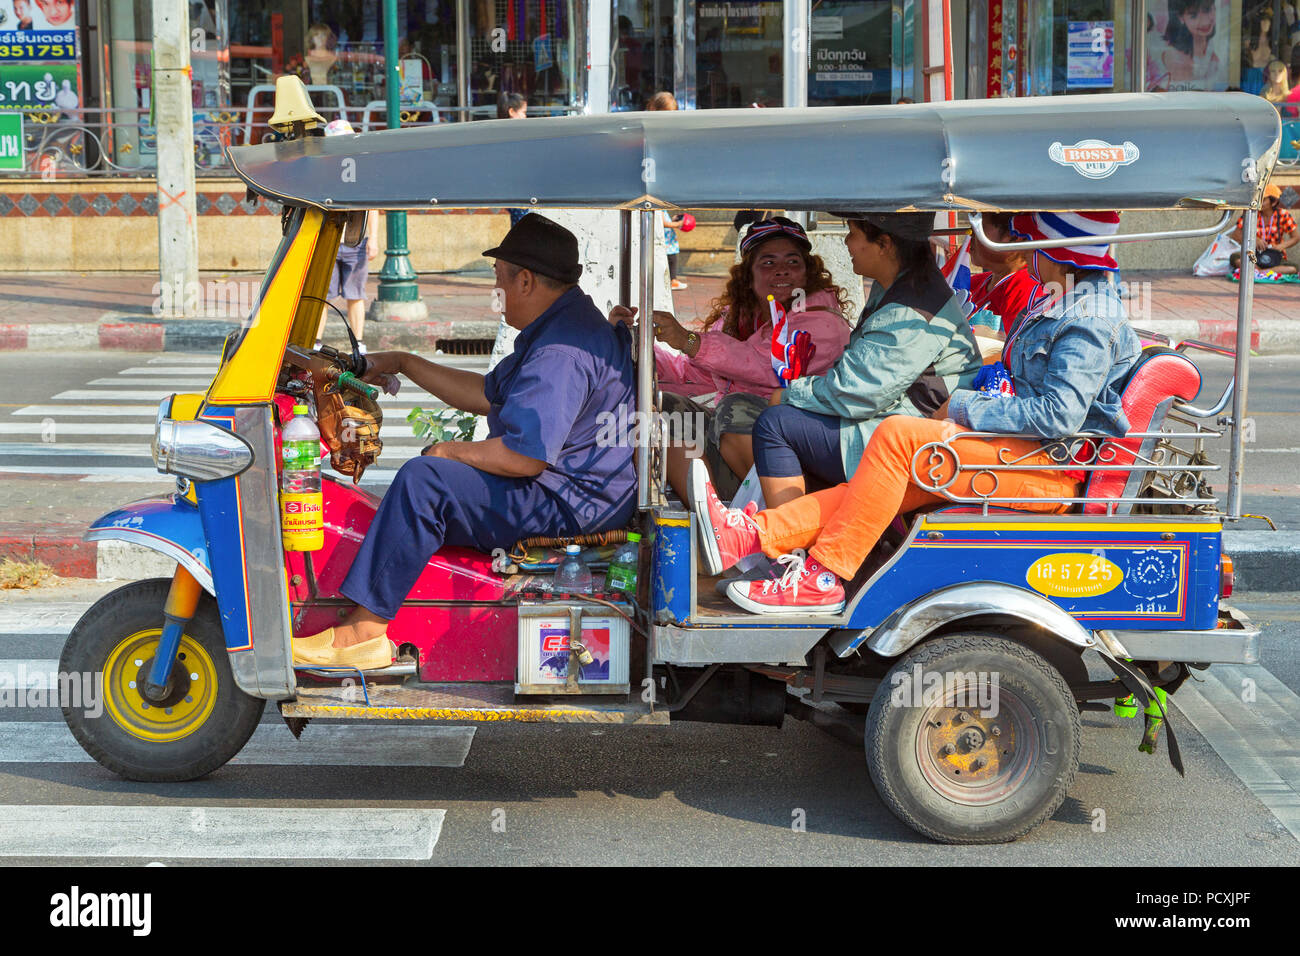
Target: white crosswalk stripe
[
  {"x": 35, "y": 736},
  {"x": 99, "y": 431},
  {"x": 220, "y": 833}
]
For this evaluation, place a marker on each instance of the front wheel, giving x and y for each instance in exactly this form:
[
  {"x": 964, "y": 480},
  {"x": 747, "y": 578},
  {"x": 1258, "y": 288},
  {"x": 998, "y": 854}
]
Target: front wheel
[
  {"x": 203, "y": 722},
  {"x": 973, "y": 739}
]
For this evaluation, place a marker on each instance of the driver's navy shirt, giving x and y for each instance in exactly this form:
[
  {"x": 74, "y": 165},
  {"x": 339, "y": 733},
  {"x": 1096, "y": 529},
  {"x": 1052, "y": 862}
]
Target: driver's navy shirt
[{"x": 566, "y": 396}]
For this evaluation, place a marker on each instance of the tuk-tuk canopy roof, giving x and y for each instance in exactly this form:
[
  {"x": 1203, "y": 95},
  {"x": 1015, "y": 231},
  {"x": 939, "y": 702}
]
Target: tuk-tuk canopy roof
[{"x": 1122, "y": 151}]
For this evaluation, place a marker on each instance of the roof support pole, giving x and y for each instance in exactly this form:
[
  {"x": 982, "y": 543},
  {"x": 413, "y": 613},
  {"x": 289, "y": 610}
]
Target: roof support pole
[
  {"x": 647, "y": 495},
  {"x": 399, "y": 294},
  {"x": 1241, "y": 367},
  {"x": 794, "y": 64}
]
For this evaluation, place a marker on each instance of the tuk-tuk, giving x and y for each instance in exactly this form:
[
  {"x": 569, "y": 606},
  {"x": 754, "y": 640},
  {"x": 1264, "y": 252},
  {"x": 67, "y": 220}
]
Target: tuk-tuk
[{"x": 992, "y": 599}]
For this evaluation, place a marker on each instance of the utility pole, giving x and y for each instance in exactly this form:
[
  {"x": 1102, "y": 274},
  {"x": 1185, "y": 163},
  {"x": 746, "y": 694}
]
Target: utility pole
[
  {"x": 399, "y": 293},
  {"x": 178, "y": 241}
]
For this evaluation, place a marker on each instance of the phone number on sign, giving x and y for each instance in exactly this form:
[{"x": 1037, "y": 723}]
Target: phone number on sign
[{"x": 38, "y": 51}]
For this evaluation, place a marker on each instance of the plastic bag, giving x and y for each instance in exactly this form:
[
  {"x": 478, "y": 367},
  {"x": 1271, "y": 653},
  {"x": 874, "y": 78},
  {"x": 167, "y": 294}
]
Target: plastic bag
[
  {"x": 1214, "y": 260},
  {"x": 750, "y": 491}
]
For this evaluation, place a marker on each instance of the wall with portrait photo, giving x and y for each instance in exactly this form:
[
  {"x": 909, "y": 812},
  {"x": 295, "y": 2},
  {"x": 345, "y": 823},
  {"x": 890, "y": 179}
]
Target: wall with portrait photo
[{"x": 1188, "y": 45}]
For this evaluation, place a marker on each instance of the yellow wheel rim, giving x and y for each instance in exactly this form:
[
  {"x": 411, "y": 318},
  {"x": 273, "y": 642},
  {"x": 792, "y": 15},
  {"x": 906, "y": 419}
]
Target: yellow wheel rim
[{"x": 184, "y": 711}]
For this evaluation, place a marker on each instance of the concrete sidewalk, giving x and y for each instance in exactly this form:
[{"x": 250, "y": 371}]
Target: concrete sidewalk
[{"x": 63, "y": 311}]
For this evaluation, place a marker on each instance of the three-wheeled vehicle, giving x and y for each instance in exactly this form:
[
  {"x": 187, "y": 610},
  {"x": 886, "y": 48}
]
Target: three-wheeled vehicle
[{"x": 994, "y": 600}]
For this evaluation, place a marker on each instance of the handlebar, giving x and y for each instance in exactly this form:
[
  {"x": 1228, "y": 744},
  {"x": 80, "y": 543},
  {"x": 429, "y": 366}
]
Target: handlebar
[{"x": 350, "y": 381}]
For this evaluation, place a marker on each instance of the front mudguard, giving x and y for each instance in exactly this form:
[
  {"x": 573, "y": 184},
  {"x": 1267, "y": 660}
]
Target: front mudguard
[
  {"x": 169, "y": 524},
  {"x": 173, "y": 526}
]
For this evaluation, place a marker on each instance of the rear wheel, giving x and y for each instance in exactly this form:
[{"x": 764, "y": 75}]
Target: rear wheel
[
  {"x": 204, "y": 720},
  {"x": 973, "y": 739}
]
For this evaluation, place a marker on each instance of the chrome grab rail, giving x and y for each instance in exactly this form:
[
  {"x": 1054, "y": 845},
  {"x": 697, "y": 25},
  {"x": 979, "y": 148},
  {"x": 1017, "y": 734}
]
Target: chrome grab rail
[{"x": 977, "y": 226}]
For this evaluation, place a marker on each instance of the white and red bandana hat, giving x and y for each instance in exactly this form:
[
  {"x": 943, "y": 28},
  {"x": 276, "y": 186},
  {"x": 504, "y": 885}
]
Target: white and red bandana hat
[{"x": 1036, "y": 226}]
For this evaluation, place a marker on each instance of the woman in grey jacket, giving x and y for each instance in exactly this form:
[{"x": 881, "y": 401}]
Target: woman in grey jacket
[{"x": 911, "y": 349}]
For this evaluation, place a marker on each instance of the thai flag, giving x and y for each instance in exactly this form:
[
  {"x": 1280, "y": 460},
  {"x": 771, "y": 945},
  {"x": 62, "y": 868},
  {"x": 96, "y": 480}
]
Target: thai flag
[
  {"x": 792, "y": 352},
  {"x": 957, "y": 271}
]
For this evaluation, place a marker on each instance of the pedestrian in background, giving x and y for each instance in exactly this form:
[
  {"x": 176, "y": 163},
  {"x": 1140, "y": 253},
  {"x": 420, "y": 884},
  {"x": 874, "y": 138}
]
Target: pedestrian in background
[
  {"x": 513, "y": 106},
  {"x": 352, "y": 265},
  {"x": 665, "y": 101}
]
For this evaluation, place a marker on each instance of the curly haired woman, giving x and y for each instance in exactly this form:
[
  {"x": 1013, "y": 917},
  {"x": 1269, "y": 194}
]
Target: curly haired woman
[{"x": 721, "y": 378}]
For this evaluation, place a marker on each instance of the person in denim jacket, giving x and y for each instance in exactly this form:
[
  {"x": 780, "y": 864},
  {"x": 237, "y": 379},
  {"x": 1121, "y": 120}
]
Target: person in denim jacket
[
  {"x": 1068, "y": 354},
  {"x": 1065, "y": 361}
]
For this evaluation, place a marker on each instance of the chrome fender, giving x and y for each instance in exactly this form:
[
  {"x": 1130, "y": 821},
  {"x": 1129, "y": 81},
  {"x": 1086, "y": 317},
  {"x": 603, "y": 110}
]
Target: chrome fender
[
  {"x": 913, "y": 622},
  {"x": 169, "y": 524}
]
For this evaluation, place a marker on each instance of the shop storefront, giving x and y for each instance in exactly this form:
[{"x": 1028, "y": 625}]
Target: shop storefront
[
  {"x": 715, "y": 54},
  {"x": 1049, "y": 47}
]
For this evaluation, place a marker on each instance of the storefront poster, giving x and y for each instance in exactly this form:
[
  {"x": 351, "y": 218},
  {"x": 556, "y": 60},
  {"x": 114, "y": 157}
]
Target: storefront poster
[
  {"x": 37, "y": 45},
  {"x": 40, "y": 15},
  {"x": 39, "y": 86},
  {"x": 11, "y": 140},
  {"x": 1090, "y": 61},
  {"x": 1190, "y": 51}
]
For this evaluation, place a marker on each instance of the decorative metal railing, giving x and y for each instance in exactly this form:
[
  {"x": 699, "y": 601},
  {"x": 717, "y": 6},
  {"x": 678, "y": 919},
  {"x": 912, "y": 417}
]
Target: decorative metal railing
[
  {"x": 1167, "y": 469},
  {"x": 123, "y": 142},
  {"x": 1168, "y": 477}
]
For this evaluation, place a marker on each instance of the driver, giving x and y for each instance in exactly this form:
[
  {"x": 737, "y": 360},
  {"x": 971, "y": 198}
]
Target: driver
[{"x": 542, "y": 470}]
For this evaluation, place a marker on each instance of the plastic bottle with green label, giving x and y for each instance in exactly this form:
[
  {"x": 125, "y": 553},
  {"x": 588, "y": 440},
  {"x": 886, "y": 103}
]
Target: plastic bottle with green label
[
  {"x": 301, "y": 505},
  {"x": 621, "y": 576}
]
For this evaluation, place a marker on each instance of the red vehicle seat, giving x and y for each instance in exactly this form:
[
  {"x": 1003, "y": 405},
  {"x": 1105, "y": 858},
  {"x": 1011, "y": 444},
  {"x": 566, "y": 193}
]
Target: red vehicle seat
[{"x": 1160, "y": 376}]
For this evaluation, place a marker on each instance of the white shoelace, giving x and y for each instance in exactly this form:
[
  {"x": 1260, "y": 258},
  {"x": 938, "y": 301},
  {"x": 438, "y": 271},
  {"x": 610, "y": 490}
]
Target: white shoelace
[
  {"x": 794, "y": 572},
  {"x": 737, "y": 518}
]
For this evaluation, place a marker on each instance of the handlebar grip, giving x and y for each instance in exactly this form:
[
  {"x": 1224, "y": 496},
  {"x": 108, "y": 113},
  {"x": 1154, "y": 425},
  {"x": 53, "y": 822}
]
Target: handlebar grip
[{"x": 348, "y": 380}]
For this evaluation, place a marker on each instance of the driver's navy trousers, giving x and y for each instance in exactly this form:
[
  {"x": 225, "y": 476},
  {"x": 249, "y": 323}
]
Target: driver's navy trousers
[{"x": 433, "y": 502}]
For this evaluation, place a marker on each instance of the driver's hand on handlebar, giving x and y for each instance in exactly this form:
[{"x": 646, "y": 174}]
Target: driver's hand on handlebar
[{"x": 381, "y": 364}]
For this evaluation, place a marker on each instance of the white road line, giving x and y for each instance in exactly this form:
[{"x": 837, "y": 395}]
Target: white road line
[
  {"x": 227, "y": 833},
  {"x": 171, "y": 370},
  {"x": 45, "y": 617},
  {"x": 123, "y": 411},
  {"x": 66, "y": 449},
  {"x": 141, "y": 394},
  {"x": 110, "y": 473},
  {"x": 138, "y": 394},
  {"x": 190, "y": 382},
  {"x": 180, "y": 359},
  {"x": 77, "y": 428},
  {"x": 321, "y": 745},
  {"x": 1261, "y": 756},
  {"x": 17, "y": 674}
]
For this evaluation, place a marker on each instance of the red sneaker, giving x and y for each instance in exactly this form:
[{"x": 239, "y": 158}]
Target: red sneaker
[
  {"x": 726, "y": 534},
  {"x": 805, "y": 586}
]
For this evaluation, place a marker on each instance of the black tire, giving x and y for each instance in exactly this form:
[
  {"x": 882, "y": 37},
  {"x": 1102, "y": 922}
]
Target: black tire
[
  {"x": 1018, "y": 764},
  {"x": 210, "y": 719}
]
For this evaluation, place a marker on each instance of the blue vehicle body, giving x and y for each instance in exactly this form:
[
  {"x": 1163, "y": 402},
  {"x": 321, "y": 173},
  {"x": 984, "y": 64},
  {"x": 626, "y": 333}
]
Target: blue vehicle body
[{"x": 1130, "y": 573}]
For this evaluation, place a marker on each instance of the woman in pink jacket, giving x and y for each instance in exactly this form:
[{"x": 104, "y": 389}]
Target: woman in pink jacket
[{"x": 718, "y": 381}]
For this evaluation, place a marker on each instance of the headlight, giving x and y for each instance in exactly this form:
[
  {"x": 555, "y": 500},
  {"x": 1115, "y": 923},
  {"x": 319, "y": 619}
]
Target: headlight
[{"x": 198, "y": 450}]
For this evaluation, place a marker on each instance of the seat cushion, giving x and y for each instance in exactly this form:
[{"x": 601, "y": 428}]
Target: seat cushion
[{"x": 1160, "y": 376}]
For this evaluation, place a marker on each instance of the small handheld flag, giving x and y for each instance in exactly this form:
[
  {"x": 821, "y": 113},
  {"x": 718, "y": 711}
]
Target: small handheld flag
[
  {"x": 792, "y": 352},
  {"x": 957, "y": 271}
]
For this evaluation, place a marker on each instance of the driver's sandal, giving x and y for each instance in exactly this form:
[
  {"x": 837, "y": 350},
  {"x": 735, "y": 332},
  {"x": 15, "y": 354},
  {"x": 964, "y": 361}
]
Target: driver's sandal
[{"x": 319, "y": 650}]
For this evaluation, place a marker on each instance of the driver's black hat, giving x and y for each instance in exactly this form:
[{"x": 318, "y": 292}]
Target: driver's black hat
[
  {"x": 916, "y": 226},
  {"x": 542, "y": 245}
]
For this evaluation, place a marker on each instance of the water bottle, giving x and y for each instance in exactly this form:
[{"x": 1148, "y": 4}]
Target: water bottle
[
  {"x": 302, "y": 510},
  {"x": 621, "y": 577},
  {"x": 573, "y": 576}
]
